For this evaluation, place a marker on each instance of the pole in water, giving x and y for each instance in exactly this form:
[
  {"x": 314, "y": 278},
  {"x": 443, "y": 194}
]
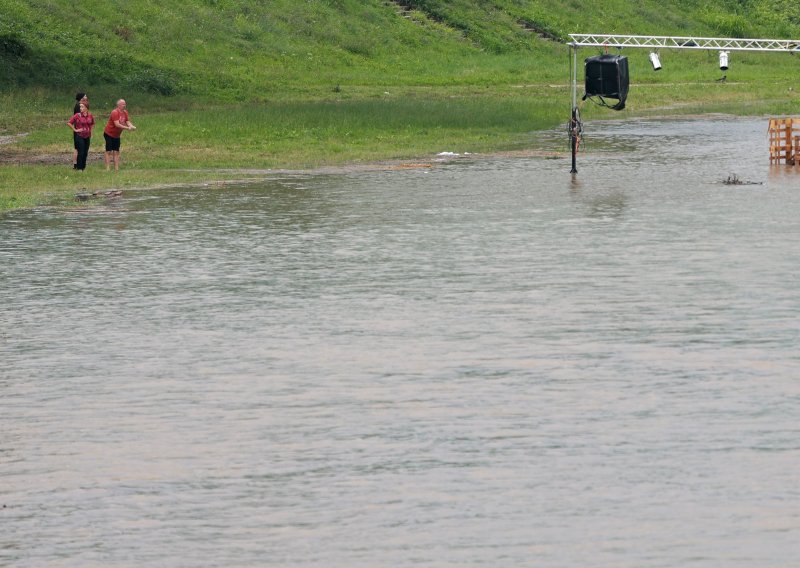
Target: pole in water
[
  {"x": 574, "y": 139},
  {"x": 575, "y": 122}
]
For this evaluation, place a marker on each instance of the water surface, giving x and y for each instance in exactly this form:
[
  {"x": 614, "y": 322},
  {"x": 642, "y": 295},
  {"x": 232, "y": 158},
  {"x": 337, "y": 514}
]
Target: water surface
[{"x": 483, "y": 363}]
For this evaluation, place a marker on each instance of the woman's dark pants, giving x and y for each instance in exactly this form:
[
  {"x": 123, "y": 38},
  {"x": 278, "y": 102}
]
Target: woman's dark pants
[{"x": 83, "y": 151}]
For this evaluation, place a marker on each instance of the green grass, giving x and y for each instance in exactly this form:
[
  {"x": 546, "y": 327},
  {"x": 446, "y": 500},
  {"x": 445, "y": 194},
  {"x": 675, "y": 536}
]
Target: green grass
[
  {"x": 236, "y": 50},
  {"x": 323, "y": 132},
  {"x": 289, "y": 84}
]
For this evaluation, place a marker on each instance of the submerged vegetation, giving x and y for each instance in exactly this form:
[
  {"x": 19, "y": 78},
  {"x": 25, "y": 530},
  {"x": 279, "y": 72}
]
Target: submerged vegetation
[{"x": 296, "y": 84}]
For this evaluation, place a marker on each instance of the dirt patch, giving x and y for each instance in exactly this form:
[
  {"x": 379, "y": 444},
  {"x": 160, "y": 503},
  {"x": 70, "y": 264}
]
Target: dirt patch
[
  {"x": 410, "y": 166},
  {"x": 17, "y": 158},
  {"x": 11, "y": 155},
  {"x": 21, "y": 158}
]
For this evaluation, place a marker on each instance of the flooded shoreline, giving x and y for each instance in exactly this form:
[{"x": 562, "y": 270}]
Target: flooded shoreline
[{"x": 486, "y": 362}]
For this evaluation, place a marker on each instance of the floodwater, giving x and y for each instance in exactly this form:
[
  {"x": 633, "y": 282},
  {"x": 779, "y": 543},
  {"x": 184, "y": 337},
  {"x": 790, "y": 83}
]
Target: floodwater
[{"x": 482, "y": 363}]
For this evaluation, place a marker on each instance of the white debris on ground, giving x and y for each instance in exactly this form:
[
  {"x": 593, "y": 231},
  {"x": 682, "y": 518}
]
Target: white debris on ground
[{"x": 447, "y": 155}]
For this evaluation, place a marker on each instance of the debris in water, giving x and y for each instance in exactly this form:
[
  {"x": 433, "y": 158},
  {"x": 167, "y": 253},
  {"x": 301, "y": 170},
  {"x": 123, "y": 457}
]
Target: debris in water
[{"x": 733, "y": 179}]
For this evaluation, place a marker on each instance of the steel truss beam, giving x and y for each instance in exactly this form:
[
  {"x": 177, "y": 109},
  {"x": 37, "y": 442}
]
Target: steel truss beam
[{"x": 667, "y": 42}]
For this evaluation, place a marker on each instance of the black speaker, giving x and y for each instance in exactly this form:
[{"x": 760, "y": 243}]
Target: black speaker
[{"x": 607, "y": 77}]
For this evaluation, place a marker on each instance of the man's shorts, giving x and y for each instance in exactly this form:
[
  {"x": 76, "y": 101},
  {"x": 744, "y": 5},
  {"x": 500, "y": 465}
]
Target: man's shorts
[{"x": 112, "y": 144}]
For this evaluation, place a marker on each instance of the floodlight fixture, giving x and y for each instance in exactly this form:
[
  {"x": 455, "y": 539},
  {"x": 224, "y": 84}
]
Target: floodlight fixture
[
  {"x": 723, "y": 60},
  {"x": 655, "y": 60}
]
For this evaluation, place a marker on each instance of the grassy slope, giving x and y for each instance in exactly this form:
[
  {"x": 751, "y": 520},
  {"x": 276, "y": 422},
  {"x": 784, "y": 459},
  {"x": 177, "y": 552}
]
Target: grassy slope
[
  {"x": 298, "y": 83},
  {"x": 253, "y": 51}
]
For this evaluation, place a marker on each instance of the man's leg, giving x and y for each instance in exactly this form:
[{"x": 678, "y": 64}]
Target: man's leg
[{"x": 106, "y": 156}]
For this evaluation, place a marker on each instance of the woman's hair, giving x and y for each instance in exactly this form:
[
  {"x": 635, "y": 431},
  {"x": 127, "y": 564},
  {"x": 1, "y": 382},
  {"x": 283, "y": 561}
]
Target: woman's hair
[{"x": 79, "y": 96}]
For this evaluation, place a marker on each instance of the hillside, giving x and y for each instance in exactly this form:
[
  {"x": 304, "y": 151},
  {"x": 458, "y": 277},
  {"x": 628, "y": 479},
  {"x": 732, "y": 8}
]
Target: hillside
[{"x": 238, "y": 50}]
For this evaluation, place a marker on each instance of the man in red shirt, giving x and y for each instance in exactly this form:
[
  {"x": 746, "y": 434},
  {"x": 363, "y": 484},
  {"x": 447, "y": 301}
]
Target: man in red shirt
[{"x": 117, "y": 122}]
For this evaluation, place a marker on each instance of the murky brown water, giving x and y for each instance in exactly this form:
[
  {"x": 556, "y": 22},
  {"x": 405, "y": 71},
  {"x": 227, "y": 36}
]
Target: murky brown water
[{"x": 485, "y": 363}]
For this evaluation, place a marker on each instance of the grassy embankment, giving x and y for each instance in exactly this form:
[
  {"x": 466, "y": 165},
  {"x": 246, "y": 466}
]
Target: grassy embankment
[{"x": 232, "y": 84}]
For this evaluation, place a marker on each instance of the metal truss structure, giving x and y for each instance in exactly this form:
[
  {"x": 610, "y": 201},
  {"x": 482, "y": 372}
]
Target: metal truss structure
[
  {"x": 654, "y": 43},
  {"x": 668, "y": 42}
]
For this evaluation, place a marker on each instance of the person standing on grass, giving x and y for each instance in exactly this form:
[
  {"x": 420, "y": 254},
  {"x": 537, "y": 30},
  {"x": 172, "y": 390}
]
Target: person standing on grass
[
  {"x": 117, "y": 122},
  {"x": 81, "y": 124},
  {"x": 79, "y": 98}
]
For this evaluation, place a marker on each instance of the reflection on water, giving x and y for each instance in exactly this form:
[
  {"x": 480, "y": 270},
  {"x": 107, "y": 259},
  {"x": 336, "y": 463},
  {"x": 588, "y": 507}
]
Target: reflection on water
[
  {"x": 486, "y": 363},
  {"x": 780, "y": 173}
]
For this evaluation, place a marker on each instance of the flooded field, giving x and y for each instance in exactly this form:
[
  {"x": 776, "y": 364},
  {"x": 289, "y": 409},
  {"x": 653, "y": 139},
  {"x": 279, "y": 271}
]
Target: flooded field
[{"x": 488, "y": 362}]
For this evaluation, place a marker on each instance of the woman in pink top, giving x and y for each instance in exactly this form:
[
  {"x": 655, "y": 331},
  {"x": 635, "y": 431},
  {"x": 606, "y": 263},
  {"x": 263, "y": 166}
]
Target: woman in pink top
[
  {"x": 80, "y": 97},
  {"x": 81, "y": 124}
]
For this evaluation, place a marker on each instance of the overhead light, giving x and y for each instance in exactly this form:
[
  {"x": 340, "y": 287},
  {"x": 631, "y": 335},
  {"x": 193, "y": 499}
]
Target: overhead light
[
  {"x": 655, "y": 61},
  {"x": 723, "y": 60}
]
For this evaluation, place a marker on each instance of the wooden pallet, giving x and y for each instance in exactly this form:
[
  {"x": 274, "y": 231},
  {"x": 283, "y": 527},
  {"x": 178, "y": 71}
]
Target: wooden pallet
[
  {"x": 796, "y": 157},
  {"x": 784, "y": 141}
]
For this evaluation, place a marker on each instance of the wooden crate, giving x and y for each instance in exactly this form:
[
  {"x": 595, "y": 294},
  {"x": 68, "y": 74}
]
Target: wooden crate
[
  {"x": 796, "y": 157},
  {"x": 784, "y": 140}
]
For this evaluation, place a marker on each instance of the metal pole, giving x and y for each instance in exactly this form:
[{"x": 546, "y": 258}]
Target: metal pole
[{"x": 573, "y": 123}]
